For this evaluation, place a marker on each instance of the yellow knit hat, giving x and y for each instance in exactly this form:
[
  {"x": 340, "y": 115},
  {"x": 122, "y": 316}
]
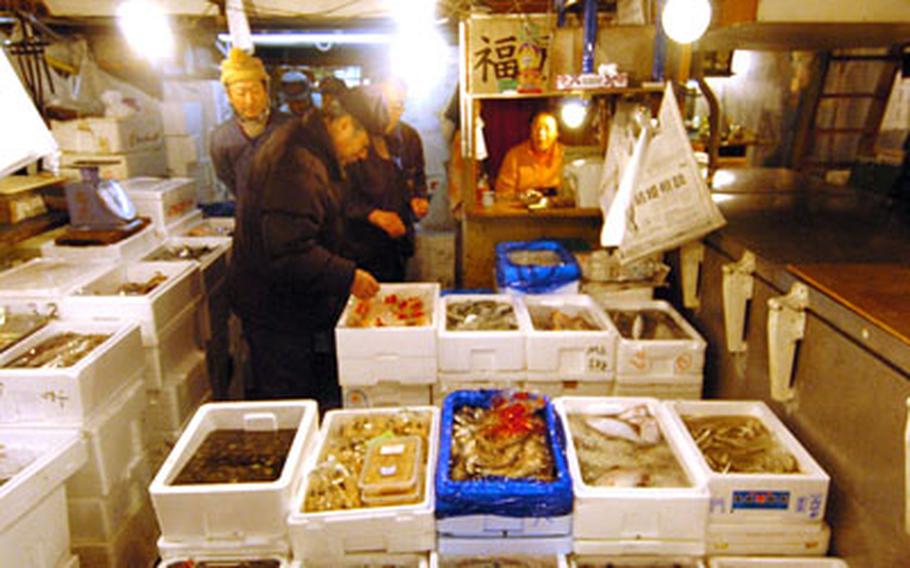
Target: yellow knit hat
[{"x": 241, "y": 66}]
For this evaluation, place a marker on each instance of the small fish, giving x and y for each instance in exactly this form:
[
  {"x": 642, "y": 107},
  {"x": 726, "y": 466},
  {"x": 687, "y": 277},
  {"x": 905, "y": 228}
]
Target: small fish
[{"x": 614, "y": 428}]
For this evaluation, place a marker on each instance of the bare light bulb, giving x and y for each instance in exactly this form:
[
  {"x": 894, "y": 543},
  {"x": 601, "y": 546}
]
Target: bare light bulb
[
  {"x": 686, "y": 20},
  {"x": 573, "y": 113},
  {"x": 146, "y": 28}
]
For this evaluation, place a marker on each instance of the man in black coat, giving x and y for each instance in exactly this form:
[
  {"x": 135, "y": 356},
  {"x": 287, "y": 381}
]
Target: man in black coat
[{"x": 288, "y": 282}]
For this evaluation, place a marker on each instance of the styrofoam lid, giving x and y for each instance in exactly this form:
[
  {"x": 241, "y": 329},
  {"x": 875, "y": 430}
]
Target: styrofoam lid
[{"x": 45, "y": 277}]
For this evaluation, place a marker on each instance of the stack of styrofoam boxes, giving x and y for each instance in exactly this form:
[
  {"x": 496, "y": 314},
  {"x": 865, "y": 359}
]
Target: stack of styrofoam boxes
[
  {"x": 562, "y": 363},
  {"x": 216, "y": 302},
  {"x": 231, "y": 520},
  {"x": 636, "y": 521},
  {"x": 662, "y": 368},
  {"x": 355, "y": 536},
  {"x": 102, "y": 395},
  {"x": 757, "y": 513},
  {"x": 176, "y": 375},
  {"x": 169, "y": 203},
  {"x": 34, "y": 530},
  {"x": 184, "y": 137},
  {"x": 130, "y": 248},
  {"x": 131, "y": 146},
  {"x": 480, "y": 359},
  {"x": 492, "y": 515},
  {"x": 388, "y": 366},
  {"x": 768, "y": 562}
]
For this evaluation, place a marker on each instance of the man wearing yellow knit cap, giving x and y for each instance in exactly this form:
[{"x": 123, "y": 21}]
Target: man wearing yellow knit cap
[{"x": 234, "y": 142}]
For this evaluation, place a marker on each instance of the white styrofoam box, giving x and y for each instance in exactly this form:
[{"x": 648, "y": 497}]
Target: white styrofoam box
[
  {"x": 637, "y": 514},
  {"x": 164, "y": 201},
  {"x": 213, "y": 265},
  {"x": 189, "y": 513},
  {"x": 113, "y": 439},
  {"x": 496, "y": 526},
  {"x": 98, "y": 518},
  {"x": 182, "y": 154},
  {"x": 609, "y": 294},
  {"x": 210, "y": 227},
  {"x": 450, "y": 384},
  {"x": 371, "y": 560},
  {"x": 179, "y": 340},
  {"x": 239, "y": 559},
  {"x": 181, "y": 394},
  {"x": 153, "y": 311},
  {"x": 386, "y": 394},
  {"x": 758, "y": 498},
  {"x": 782, "y": 539},
  {"x": 769, "y": 562},
  {"x": 69, "y": 395},
  {"x": 33, "y": 527},
  {"x": 179, "y": 226},
  {"x": 570, "y": 355},
  {"x": 182, "y": 118},
  {"x": 405, "y": 354},
  {"x": 644, "y": 547},
  {"x": 687, "y": 387},
  {"x": 329, "y": 536},
  {"x": 151, "y": 162},
  {"x": 139, "y": 131},
  {"x": 130, "y": 248},
  {"x": 474, "y": 354},
  {"x": 46, "y": 280},
  {"x": 600, "y": 561},
  {"x": 555, "y": 389},
  {"x": 502, "y": 547},
  {"x": 659, "y": 356},
  {"x": 224, "y": 551},
  {"x": 133, "y": 545}
]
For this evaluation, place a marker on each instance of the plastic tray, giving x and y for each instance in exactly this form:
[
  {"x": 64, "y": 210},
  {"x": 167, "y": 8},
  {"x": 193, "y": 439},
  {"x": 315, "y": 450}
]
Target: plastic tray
[
  {"x": 637, "y": 513},
  {"x": 193, "y": 513},
  {"x": 570, "y": 355},
  {"x": 162, "y": 200},
  {"x": 386, "y": 394},
  {"x": 69, "y": 395},
  {"x": 131, "y": 248},
  {"x": 758, "y": 498},
  {"x": 327, "y": 537},
  {"x": 171, "y": 406}
]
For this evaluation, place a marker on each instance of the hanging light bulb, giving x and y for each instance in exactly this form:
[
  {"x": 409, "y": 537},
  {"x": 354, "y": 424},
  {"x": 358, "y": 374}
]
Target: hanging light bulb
[
  {"x": 573, "y": 113},
  {"x": 146, "y": 28},
  {"x": 685, "y": 21}
]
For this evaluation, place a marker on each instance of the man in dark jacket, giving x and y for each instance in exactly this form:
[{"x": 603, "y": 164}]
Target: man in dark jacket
[{"x": 288, "y": 282}]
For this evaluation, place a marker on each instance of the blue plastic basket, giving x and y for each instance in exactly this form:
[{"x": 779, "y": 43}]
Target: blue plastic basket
[
  {"x": 499, "y": 495},
  {"x": 531, "y": 278}
]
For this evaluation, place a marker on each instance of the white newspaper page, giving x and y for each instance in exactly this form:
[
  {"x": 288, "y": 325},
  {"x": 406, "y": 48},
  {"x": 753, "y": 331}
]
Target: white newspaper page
[
  {"x": 24, "y": 137},
  {"x": 620, "y": 145},
  {"x": 662, "y": 201}
]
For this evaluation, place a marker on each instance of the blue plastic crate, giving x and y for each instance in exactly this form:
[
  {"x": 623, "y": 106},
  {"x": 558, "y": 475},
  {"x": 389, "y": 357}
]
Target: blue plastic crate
[
  {"x": 498, "y": 495},
  {"x": 531, "y": 278}
]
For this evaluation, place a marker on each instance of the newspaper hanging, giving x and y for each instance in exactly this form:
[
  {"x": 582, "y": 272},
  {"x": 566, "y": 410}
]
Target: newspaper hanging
[
  {"x": 24, "y": 138},
  {"x": 662, "y": 201}
]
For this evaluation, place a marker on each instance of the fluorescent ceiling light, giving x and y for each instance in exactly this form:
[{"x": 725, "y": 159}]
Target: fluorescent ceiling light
[{"x": 291, "y": 39}]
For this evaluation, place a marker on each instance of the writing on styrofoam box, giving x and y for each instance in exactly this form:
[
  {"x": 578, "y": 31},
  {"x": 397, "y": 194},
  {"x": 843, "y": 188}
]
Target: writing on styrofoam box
[{"x": 140, "y": 131}]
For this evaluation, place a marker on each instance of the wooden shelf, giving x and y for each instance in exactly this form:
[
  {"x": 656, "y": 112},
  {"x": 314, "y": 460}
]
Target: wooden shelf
[
  {"x": 12, "y": 234},
  {"x": 618, "y": 91},
  {"x": 514, "y": 210}
]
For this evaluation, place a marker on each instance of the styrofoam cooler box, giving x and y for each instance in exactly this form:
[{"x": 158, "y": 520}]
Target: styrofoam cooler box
[
  {"x": 496, "y": 527},
  {"x": 687, "y": 387},
  {"x": 182, "y": 393},
  {"x": 182, "y": 152},
  {"x": 239, "y": 511},
  {"x": 606, "y": 294},
  {"x": 213, "y": 264},
  {"x": 328, "y": 537},
  {"x": 210, "y": 227},
  {"x": 367, "y": 355},
  {"x": 660, "y": 357},
  {"x": 153, "y": 311},
  {"x": 147, "y": 162},
  {"x": 131, "y": 547},
  {"x": 70, "y": 395},
  {"x": 161, "y": 200},
  {"x": 570, "y": 355},
  {"x": 759, "y": 497},
  {"x": 642, "y": 520},
  {"x": 554, "y": 389},
  {"x": 46, "y": 280},
  {"x": 179, "y": 226},
  {"x": 782, "y": 539},
  {"x": 108, "y": 135},
  {"x": 114, "y": 440},
  {"x": 33, "y": 527},
  {"x": 386, "y": 394},
  {"x": 226, "y": 561},
  {"x": 774, "y": 562},
  {"x": 445, "y": 387},
  {"x": 554, "y": 547},
  {"x": 130, "y": 248},
  {"x": 99, "y": 518},
  {"x": 222, "y": 553},
  {"x": 182, "y": 118},
  {"x": 601, "y": 561},
  {"x": 181, "y": 339},
  {"x": 371, "y": 560},
  {"x": 476, "y": 355}
]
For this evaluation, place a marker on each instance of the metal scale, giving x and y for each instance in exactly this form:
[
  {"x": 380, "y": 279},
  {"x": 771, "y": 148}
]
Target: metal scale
[{"x": 100, "y": 211}]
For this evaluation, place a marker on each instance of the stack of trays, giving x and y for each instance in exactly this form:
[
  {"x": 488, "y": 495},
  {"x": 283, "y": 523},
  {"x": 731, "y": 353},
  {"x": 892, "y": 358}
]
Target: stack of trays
[
  {"x": 762, "y": 502},
  {"x": 387, "y": 347},
  {"x": 367, "y": 488},
  {"x": 638, "y": 489}
]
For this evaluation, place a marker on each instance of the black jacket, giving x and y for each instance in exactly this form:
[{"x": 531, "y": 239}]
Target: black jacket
[{"x": 286, "y": 273}]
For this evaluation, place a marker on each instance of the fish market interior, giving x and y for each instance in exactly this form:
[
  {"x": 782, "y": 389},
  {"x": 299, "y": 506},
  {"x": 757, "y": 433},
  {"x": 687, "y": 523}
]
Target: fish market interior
[{"x": 454, "y": 283}]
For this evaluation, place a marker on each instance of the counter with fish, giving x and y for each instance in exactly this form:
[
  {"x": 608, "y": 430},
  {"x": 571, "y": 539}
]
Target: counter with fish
[
  {"x": 502, "y": 469},
  {"x": 389, "y": 338},
  {"x": 570, "y": 339},
  {"x": 232, "y": 473},
  {"x": 637, "y": 485},
  {"x": 658, "y": 353},
  {"x": 481, "y": 337},
  {"x": 368, "y": 486}
]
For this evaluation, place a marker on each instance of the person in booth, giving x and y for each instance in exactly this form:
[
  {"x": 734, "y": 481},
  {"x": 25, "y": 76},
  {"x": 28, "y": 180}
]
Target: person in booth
[{"x": 535, "y": 163}]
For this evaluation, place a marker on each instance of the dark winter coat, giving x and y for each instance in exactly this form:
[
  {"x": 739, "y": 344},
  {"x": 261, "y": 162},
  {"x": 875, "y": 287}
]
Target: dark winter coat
[{"x": 232, "y": 151}]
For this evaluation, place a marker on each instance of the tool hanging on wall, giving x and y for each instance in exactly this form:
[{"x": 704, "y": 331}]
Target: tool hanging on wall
[{"x": 28, "y": 50}]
